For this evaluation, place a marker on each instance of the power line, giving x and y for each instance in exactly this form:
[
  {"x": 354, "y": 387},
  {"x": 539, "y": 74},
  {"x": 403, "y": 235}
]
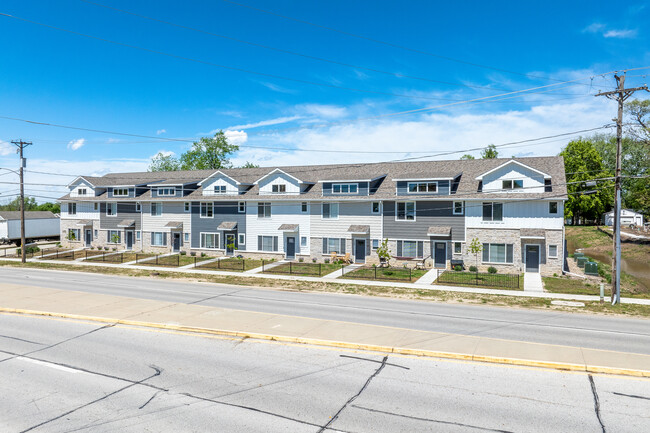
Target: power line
[{"x": 390, "y": 44}]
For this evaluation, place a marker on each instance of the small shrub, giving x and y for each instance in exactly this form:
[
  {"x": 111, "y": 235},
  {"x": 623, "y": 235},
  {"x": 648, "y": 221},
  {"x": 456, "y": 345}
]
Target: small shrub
[
  {"x": 313, "y": 260},
  {"x": 492, "y": 270},
  {"x": 458, "y": 268},
  {"x": 301, "y": 260},
  {"x": 193, "y": 253},
  {"x": 473, "y": 269},
  {"x": 555, "y": 274},
  {"x": 182, "y": 253},
  {"x": 58, "y": 244},
  {"x": 105, "y": 248},
  {"x": 114, "y": 249},
  {"x": 327, "y": 260},
  {"x": 202, "y": 254}
]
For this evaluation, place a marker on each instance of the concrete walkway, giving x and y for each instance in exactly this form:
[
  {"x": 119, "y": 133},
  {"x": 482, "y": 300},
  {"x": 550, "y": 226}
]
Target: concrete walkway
[
  {"x": 265, "y": 267},
  {"x": 533, "y": 282},
  {"x": 339, "y": 273},
  {"x": 22, "y": 299},
  {"x": 429, "y": 277}
]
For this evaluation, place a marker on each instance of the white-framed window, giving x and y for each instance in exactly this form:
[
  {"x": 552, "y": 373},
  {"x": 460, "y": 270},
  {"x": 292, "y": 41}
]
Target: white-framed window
[
  {"x": 210, "y": 240},
  {"x": 74, "y": 234},
  {"x": 303, "y": 241},
  {"x": 345, "y": 188},
  {"x": 72, "y": 208},
  {"x": 333, "y": 245},
  {"x": 207, "y": 210},
  {"x": 407, "y": 248},
  {"x": 492, "y": 211},
  {"x": 96, "y": 233},
  {"x": 267, "y": 243},
  {"x": 82, "y": 191},
  {"x": 552, "y": 207},
  {"x": 552, "y": 251},
  {"x": 241, "y": 239},
  {"x": 458, "y": 248},
  {"x": 138, "y": 235},
  {"x": 120, "y": 192},
  {"x": 405, "y": 211},
  {"x": 95, "y": 206},
  {"x": 111, "y": 209},
  {"x": 264, "y": 210},
  {"x": 330, "y": 211},
  {"x": 186, "y": 237},
  {"x": 166, "y": 191},
  {"x": 158, "y": 239},
  {"x": 497, "y": 253},
  {"x": 187, "y": 206},
  {"x": 422, "y": 187},
  {"x": 375, "y": 244},
  {"x": 459, "y": 207},
  {"x": 375, "y": 207},
  {"x": 114, "y": 237},
  {"x": 304, "y": 207},
  {"x": 220, "y": 189},
  {"x": 512, "y": 184},
  {"x": 138, "y": 207},
  {"x": 279, "y": 188},
  {"x": 241, "y": 207},
  {"x": 156, "y": 209}
]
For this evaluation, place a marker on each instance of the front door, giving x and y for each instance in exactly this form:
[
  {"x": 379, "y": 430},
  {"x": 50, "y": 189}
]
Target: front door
[
  {"x": 129, "y": 239},
  {"x": 230, "y": 244},
  {"x": 176, "y": 242},
  {"x": 291, "y": 247},
  {"x": 89, "y": 237},
  {"x": 360, "y": 251},
  {"x": 440, "y": 254},
  {"x": 532, "y": 258}
]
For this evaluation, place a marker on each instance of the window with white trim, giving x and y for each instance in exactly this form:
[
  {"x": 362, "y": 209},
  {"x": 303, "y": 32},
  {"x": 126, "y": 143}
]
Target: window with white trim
[
  {"x": 330, "y": 211},
  {"x": 72, "y": 208},
  {"x": 412, "y": 249},
  {"x": 95, "y": 206},
  {"x": 187, "y": 207},
  {"x": 303, "y": 241},
  {"x": 114, "y": 237},
  {"x": 375, "y": 244},
  {"x": 492, "y": 211},
  {"x": 264, "y": 210},
  {"x": 158, "y": 239},
  {"x": 458, "y": 248},
  {"x": 552, "y": 207},
  {"x": 111, "y": 209},
  {"x": 267, "y": 243},
  {"x": 333, "y": 245},
  {"x": 220, "y": 189},
  {"x": 156, "y": 209},
  {"x": 422, "y": 187},
  {"x": 552, "y": 251},
  {"x": 304, "y": 207},
  {"x": 345, "y": 188},
  {"x": 405, "y": 211},
  {"x": 186, "y": 237},
  {"x": 120, "y": 192},
  {"x": 82, "y": 191},
  {"x": 210, "y": 240},
  {"x": 207, "y": 210},
  {"x": 459, "y": 207},
  {"x": 96, "y": 234},
  {"x": 137, "y": 235},
  {"x": 74, "y": 234},
  {"x": 138, "y": 207},
  {"x": 375, "y": 207},
  {"x": 279, "y": 188},
  {"x": 242, "y": 239},
  {"x": 512, "y": 184},
  {"x": 241, "y": 207},
  {"x": 166, "y": 191},
  {"x": 497, "y": 253}
]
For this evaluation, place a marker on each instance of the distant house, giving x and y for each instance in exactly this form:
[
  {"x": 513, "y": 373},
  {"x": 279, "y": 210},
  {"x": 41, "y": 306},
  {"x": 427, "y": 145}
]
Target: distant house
[
  {"x": 628, "y": 217},
  {"x": 38, "y": 225}
]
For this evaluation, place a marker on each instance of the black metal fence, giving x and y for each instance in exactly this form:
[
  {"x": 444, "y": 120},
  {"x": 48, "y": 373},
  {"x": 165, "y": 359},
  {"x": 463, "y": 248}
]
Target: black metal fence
[
  {"x": 158, "y": 260},
  {"x": 315, "y": 269},
  {"x": 380, "y": 273},
  {"x": 508, "y": 281},
  {"x": 56, "y": 253},
  {"x": 105, "y": 256},
  {"x": 231, "y": 264}
]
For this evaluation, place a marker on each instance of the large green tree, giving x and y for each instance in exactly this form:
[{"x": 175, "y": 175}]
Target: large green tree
[
  {"x": 30, "y": 205},
  {"x": 638, "y": 112},
  {"x": 490, "y": 152},
  {"x": 164, "y": 162},
  {"x": 582, "y": 164}
]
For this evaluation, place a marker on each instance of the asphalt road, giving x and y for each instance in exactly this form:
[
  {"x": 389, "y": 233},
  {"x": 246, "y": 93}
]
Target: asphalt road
[
  {"x": 586, "y": 330},
  {"x": 61, "y": 375}
]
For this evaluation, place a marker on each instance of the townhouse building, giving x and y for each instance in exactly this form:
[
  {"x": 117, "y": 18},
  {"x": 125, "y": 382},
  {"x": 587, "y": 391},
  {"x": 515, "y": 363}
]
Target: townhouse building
[{"x": 428, "y": 210}]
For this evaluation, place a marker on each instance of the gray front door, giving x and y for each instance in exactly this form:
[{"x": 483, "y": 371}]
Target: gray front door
[
  {"x": 532, "y": 258},
  {"x": 89, "y": 237},
  {"x": 177, "y": 242},
  {"x": 440, "y": 254},
  {"x": 291, "y": 247},
  {"x": 129, "y": 239},
  {"x": 360, "y": 251},
  {"x": 230, "y": 243}
]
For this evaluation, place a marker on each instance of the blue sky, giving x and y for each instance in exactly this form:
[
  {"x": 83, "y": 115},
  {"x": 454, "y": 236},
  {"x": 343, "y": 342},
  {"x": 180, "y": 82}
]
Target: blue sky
[{"x": 53, "y": 76}]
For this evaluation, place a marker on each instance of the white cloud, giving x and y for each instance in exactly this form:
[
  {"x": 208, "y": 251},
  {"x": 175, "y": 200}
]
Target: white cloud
[
  {"x": 236, "y": 137},
  {"x": 161, "y": 131},
  {"x": 6, "y": 148},
  {"x": 323, "y": 111},
  {"x": 76, "y": 144},
  {"x": 276, "y": 121},
  {"x": 622, "y": 34},
  {"x": 113, "y": 140},
  {"x": 602, "y": 29},
  {"x": 594, "y": 28}
]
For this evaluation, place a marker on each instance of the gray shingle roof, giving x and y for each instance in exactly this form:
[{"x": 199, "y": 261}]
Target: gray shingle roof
[
  {"x": 439, "y": 231},
  {"x": 359, "y": 229},
  {"x": 288, "y": 227},
  {"x": 227, "y": 225}
]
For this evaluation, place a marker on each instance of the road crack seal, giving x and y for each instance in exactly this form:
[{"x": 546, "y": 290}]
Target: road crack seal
[
  {"x": 151, "y": 398},
  {"x": 596, "y": 402}
]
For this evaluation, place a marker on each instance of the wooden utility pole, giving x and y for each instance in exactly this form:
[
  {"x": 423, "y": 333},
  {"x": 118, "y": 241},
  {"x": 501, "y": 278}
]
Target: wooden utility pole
[
  {"x": 22, "y": 145},
  {"x": 619, "y": 95}
]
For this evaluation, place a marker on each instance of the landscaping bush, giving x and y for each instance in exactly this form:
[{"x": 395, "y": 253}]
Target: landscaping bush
[
  {"x": 114, "y": 249},
  {"x": 458, "y": 268},
  {"x": 202, "y": 254},
  {"x": 327, "y": 260},
  {"x": 58, "y": 244},
  {"x": 492, "y": 270},
  {"x": 193, "y": 253},
  {"x": 183, "y": 253},
  {"x": 473, "y": 269},
  {"x": 313, "y": 260}
]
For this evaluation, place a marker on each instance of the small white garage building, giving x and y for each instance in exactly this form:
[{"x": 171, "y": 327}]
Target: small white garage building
[{"x": 628, "y": 217}]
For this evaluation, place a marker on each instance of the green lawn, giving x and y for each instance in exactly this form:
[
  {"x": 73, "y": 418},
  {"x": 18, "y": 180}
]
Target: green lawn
[
  {"x": 233, "y": 264},
  {"x": 387, "y": 274},
  {"x": 110, "y": 257},
  {"x": 305, "y": 269},
  {"x": 492, "y": 281}
]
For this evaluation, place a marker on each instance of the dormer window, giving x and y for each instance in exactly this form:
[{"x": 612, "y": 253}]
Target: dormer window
[
  {"x": 422, "y": 187},
  {"x": 345, "y": 188},
  {"x": 220, "y": 189},
  {"x": 167, "y": 191},
  {"x": 120, "y": 192},
  {"x": 81, "y": 191},
  {"x": 512, "y": 184},
  {"x": 279, "y": 189}
]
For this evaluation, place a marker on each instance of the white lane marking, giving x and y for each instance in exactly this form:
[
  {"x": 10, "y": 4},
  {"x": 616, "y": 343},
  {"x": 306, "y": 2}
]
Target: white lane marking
[{"x": 51, "y": 365}]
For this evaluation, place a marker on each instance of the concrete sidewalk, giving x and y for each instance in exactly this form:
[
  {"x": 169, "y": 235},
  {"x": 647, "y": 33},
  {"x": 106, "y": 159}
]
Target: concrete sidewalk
[{"x": 196, "y": 318}]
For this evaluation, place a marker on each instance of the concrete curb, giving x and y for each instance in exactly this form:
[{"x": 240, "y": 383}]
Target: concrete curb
[{"x": 345, "y": 345}]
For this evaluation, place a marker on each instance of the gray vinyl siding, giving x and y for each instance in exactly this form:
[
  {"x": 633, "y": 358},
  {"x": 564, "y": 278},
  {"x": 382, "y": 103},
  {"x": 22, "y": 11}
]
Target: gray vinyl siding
[
  {"x": 131, "y": 193},
  {"x": 443, "y": 188},
  {"x": 427, "y": 214},
  {"x": 361, "y": 190},
  {"x": 125, "y": 211},
  {"x": 223, "y": 211}
]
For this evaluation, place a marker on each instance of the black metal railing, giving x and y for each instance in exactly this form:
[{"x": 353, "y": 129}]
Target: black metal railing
[
  {"x": 106, "y": 257},
  {"x": 293, "y": 268},
  {"x": 229, "y": 264},
  {"x": 508, "y": 281},
  {"x": 381, "y": 273}
]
